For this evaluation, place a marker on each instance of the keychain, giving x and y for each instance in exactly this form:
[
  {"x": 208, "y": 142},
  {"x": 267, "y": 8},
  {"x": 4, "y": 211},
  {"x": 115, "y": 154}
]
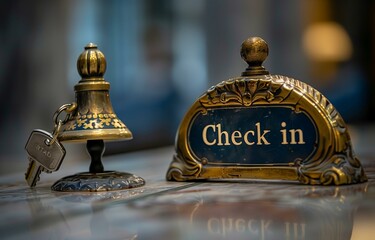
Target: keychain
[{"x": 45, "y": 152}]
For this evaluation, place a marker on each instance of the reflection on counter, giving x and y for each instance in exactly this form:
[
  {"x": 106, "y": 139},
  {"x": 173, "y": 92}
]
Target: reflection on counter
[
  {"x": 204, "y": 211},
  {"x": 267, "y": 212}
]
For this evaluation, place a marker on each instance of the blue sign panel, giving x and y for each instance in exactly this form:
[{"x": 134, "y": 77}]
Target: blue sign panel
[{"x": 253, "y": 135}]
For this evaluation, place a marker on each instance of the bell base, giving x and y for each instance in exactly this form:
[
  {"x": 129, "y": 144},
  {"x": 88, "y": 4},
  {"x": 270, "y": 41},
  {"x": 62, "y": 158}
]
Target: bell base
[{"x": 98, "y": 182}]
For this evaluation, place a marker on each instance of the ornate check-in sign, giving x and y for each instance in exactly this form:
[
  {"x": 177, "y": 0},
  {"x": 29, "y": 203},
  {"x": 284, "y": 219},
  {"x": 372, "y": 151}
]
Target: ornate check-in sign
[{"x": 262, "y": 126}]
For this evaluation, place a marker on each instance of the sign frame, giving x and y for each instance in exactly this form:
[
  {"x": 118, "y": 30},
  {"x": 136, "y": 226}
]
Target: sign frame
[{"x": 333, "y": 163}]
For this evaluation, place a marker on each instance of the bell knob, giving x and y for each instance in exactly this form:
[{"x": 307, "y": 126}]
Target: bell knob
[
  {"x": 254, "y": 52},
  {"x": 91, "y": 63}
]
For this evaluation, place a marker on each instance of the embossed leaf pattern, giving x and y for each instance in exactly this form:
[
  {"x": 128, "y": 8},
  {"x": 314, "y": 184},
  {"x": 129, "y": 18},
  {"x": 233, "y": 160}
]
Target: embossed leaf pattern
[{"x": 243, "y": 91}]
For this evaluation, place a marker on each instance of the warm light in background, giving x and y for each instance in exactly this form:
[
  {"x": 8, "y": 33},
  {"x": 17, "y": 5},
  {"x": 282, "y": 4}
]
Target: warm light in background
[{"x": 327, "y": 41}]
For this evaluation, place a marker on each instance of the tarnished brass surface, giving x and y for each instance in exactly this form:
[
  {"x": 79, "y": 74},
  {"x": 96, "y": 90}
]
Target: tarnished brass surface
[
  {"x": 333, "y": 162},
  {"x": 93, "y": 118}
]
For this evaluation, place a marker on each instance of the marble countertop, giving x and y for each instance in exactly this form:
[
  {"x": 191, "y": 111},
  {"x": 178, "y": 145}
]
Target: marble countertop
[{"x": 186, "y": 210}]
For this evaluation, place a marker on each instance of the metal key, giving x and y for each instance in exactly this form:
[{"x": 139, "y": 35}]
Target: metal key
[{"x": 45, "y": 154}]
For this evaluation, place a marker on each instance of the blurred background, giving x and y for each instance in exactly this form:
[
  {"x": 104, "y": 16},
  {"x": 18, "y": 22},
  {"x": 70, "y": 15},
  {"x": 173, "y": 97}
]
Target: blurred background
[{"x": 163, "y": 54}]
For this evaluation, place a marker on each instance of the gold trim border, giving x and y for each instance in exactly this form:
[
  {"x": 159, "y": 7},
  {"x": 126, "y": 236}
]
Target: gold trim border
[{"x": 333, "y": 163}]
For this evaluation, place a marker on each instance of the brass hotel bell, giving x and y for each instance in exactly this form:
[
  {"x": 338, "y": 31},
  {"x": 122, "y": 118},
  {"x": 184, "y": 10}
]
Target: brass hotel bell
[{"x": 91, "y": 118}]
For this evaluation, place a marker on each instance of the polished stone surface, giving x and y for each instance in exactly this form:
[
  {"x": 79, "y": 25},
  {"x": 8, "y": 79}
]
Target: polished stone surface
[{"x": 189, "y": 210}]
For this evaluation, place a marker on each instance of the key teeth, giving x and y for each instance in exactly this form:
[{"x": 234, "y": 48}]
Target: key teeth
[
  {"x": 37, "y": 179},
  {"x": 46, "y": 170}
]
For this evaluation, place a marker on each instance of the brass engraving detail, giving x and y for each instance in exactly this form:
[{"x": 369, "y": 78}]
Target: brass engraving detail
[{"x": 95, "y": 121}]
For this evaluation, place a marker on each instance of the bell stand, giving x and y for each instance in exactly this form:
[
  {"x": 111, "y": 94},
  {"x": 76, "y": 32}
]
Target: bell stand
[{"x": 97, "y": 179}]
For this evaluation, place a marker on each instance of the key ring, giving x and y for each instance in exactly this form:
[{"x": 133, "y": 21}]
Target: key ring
[{"x": 68, "y": 108}]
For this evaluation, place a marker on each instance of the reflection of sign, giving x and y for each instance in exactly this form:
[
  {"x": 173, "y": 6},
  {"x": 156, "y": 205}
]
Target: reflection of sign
[
  {"x": 257, "y": 228},
  {"x": 255, "y": 211},
  {"x": 257, "y": 135}
]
